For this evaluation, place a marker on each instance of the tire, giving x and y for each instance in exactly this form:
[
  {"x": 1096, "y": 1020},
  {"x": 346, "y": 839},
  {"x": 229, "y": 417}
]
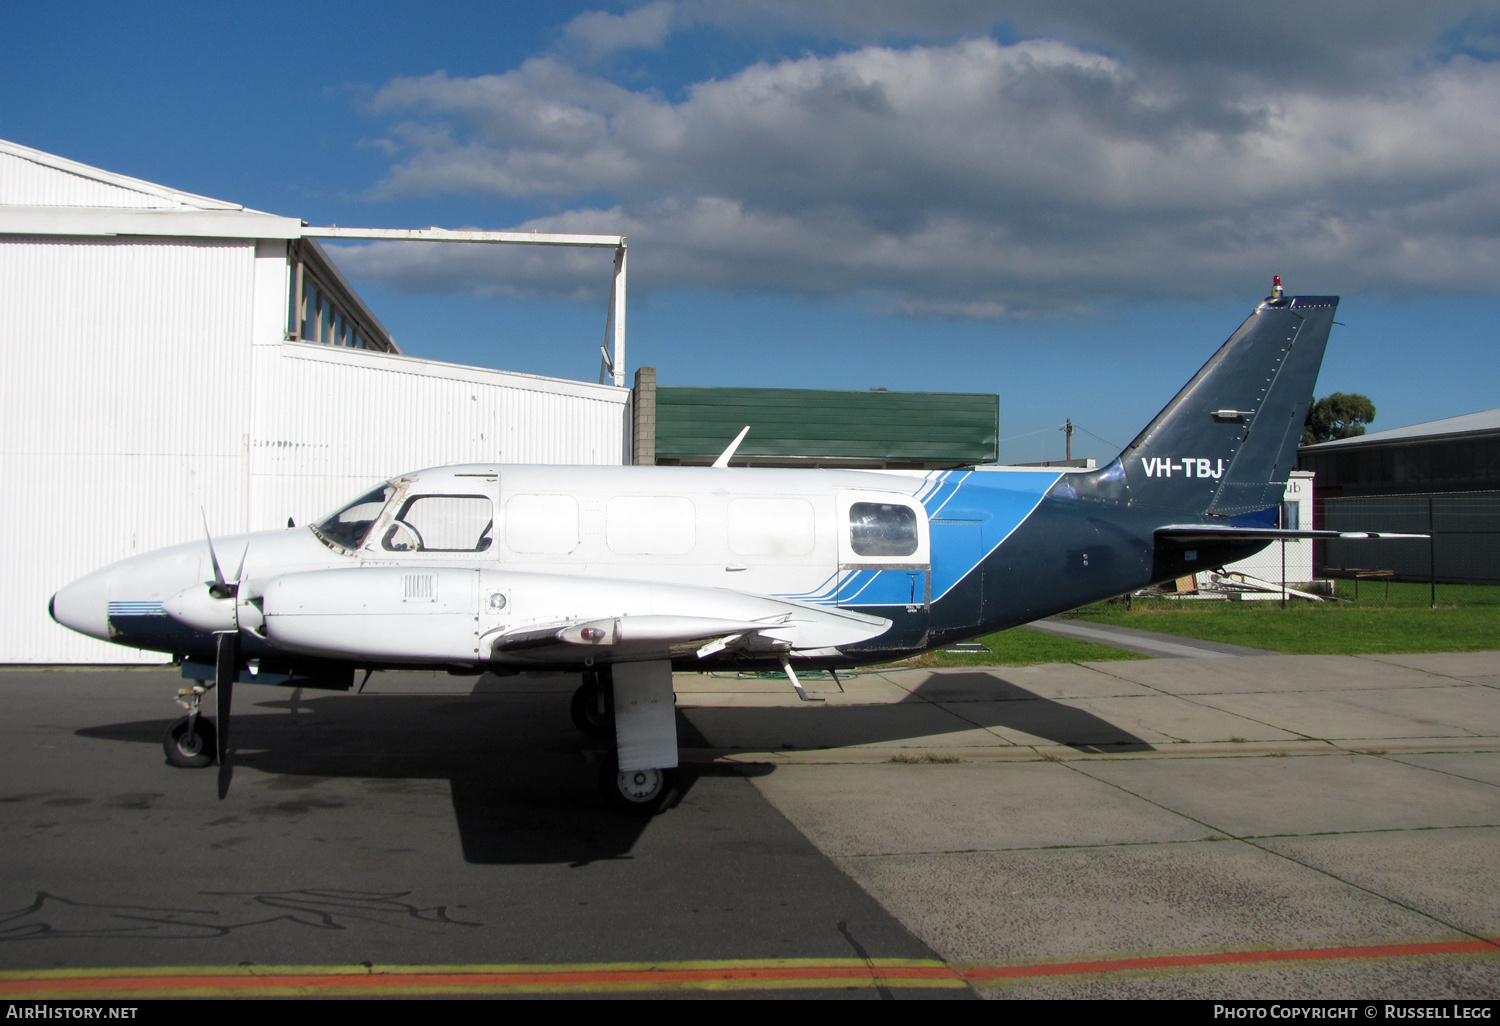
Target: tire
[
  {"x": 585, "y": 712},
  {"x": 191, "y": 750},
  {"x": 641, "y": 793}
]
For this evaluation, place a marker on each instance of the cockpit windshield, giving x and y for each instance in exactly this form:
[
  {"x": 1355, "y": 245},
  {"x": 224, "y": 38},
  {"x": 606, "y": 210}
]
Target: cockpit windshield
[{"x": 349, "y": 526}]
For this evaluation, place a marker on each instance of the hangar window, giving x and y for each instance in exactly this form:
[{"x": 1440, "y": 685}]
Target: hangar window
[
  {"x": 323, "y": 308},
  {"x": 650, "y": 525},
  {"x": 770, "y": 527},
  {"x": 441, "y": 523},
  {"x": 882, "y": 529},
  {"x": 349, "y": 525},
  {"x": 541, "y": 524}
]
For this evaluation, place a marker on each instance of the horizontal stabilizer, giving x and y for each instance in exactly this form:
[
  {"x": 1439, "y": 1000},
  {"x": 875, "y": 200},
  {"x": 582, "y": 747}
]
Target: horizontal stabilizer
[{"x": 1211, "y": 533}]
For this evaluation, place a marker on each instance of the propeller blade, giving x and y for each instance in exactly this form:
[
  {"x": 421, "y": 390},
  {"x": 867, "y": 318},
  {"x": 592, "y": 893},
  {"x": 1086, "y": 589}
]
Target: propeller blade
[
  {"x": 219, "y": 588},
  {"x": 239, "y": 571},
  {"x": 226, "y": 669}
]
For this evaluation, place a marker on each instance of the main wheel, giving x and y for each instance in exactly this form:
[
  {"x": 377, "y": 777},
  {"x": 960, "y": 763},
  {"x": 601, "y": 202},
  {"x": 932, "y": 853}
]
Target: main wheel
[
  {"x": 585, "y": 711},
  {"x": 191, "y": 749},
  {"x": 639, "y": 792}
]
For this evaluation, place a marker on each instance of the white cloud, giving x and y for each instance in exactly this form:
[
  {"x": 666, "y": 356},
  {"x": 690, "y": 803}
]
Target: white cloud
[
  {"x": 598, "y": 33},
  {"x": 970, "y": 179}
]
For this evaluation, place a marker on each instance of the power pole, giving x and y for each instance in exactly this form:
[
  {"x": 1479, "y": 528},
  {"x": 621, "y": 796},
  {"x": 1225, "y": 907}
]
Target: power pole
[{"x": 1068, "y": 434}]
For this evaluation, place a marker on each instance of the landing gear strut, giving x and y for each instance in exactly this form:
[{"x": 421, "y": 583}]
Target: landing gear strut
[
  {"x": 194, "y": 742},
  {"x": 191, "y": 742},
  {"x": 593, "y": 706},
  {"x": 640, "y": 778}
]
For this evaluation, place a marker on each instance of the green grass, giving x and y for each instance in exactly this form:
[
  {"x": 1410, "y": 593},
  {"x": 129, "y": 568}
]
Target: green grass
[
  {"x": 1021, "y": 647},
  {"x": 1467, "y": 619}
]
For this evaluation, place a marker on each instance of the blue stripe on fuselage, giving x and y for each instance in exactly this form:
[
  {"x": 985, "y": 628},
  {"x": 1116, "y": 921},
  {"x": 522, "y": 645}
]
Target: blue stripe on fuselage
[
  {"x": 970, "y": 513},
  {"x": 968, "y": 521}
]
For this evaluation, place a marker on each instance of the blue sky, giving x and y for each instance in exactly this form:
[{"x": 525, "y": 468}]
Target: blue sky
[{"x": 1069, "y": 203}]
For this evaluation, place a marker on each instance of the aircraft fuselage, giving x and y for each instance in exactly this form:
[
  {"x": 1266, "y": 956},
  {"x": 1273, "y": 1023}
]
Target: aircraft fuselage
[{"x": 455, "y": 566}]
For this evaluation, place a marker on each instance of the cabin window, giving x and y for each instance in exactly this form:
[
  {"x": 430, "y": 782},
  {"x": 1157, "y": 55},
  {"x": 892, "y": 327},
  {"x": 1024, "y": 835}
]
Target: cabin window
[
  {"x": 882, "y": 529},
  {"x": 771, "y": 527},
  {"x": 541, "y": 524},
  {"x": 650, "y": 525},
  {"x": 441, "y": 523},
  {"x": 349, "y": 526}
]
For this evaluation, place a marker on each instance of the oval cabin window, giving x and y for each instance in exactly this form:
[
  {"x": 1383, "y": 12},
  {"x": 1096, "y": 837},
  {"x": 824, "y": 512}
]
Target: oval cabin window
[
  {"x": 541, "y": 524},
  {"x": 650, "y": 525},
  {"x": 771, "y": 527}
]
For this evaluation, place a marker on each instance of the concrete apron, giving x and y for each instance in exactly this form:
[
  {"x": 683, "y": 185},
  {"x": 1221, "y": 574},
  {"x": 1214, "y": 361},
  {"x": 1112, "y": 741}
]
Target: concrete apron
[{"x": 1275, "y": 826}]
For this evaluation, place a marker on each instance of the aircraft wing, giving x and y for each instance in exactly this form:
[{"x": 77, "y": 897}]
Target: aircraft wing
[
  {"x": 452, "y": 614},
  {"x": 622, "y": 634},
  {"x": 1205, "y": 533}
]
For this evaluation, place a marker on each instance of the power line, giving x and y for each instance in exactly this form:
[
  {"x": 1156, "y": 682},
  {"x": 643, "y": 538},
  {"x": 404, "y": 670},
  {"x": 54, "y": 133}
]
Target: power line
[
  {"x": 1106, "y": 441},
  {"x": 1028, "y": 434}
]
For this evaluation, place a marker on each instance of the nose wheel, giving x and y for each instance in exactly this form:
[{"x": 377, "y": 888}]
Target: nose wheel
[{"x": 191, "y": 743}]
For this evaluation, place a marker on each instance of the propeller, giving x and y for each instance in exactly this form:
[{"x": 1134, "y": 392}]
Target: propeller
[
  {"x": 226, "y": 669},
  {"x": 213, "y": 609},
  {"x": 224, "y": 624},
  {"x": 220, "y": 589}
]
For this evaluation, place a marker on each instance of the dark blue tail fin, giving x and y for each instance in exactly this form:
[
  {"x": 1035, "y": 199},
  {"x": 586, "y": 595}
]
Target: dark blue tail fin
[{"x": 1226, "y": 444}]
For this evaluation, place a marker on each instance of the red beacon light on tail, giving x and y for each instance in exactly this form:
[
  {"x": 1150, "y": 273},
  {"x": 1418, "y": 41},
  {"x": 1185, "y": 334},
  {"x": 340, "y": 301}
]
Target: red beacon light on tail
[{"x": 1276, "y": 286}]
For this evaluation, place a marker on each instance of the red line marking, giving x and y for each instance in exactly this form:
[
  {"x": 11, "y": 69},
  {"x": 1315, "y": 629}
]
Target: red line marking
[{"x": 1230, "y": 958}]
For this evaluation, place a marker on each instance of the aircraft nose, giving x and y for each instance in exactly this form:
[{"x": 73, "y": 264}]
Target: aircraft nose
[{"x": 83, "y": 606}]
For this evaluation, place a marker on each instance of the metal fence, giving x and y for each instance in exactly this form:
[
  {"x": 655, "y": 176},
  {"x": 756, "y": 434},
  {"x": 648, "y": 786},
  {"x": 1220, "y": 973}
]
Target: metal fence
[{"x": 1464, "y": 547}]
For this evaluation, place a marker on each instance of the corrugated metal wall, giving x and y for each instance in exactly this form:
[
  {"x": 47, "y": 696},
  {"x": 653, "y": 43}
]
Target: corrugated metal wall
[
  {"x": 120, "y": 417},
  {"x": 330, "y": 423},
  {"x": 28, "y": 183},
  {"x": 146, "y": 379}
]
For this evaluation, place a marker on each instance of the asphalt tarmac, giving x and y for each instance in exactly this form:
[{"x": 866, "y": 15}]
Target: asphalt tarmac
[
  {"x": 1228, "y": 826},
  {"x": 414, "y": 824}
]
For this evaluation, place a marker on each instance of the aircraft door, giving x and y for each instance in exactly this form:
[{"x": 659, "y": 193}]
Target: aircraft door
[{"x": 885, "y": 562}]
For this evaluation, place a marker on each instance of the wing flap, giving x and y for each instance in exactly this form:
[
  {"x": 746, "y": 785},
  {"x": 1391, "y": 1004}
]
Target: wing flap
[{"x": 645, "y": 629}]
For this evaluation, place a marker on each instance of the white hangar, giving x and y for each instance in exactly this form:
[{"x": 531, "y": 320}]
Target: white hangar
[{"x": 162, "y": 352}]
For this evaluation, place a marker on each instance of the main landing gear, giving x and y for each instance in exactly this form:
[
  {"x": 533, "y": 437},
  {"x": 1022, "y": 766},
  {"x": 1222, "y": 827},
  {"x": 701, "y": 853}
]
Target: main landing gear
[
  {"x": 642, "y": 792},
  {"x": 593, "y": 706},
  {"x": 633, "y": 705}
]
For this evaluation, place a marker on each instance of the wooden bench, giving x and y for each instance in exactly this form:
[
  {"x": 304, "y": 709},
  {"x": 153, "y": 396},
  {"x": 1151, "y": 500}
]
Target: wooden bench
[{"x": 1379, "y": 575}]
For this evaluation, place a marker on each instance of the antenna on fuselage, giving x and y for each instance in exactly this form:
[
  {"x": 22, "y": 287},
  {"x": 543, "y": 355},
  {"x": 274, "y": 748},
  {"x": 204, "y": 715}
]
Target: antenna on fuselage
[{"x": 723, "y": 460}]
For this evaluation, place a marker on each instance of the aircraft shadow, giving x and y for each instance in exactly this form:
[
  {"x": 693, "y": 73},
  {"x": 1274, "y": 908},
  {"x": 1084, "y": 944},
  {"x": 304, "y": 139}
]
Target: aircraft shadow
[
  {"x": 524, "y": 782},
  {"x": 945, "y": 704}
]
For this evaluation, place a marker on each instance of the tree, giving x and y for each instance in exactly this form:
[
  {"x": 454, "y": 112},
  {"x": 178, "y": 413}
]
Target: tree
[{"x": 1340, "y": 415}]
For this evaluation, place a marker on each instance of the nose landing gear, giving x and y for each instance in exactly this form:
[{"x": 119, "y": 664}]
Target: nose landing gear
[{"x": 192, "y": 742}]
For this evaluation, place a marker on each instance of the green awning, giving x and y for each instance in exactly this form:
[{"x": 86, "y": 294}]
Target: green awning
[{"x": 938, "y": 428}]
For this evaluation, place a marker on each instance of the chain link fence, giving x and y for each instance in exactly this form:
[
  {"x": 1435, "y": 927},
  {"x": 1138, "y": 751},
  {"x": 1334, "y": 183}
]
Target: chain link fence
[{"x": 1464, "y": 547}]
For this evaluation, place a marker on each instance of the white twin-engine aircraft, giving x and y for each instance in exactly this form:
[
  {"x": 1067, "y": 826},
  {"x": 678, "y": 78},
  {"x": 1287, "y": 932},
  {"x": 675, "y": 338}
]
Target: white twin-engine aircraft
[{"x": 627, "y": 573}]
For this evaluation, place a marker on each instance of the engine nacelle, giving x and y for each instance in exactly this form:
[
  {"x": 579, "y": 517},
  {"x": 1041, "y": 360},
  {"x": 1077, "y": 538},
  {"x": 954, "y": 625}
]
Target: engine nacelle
[{"x": 398, "y": 614}]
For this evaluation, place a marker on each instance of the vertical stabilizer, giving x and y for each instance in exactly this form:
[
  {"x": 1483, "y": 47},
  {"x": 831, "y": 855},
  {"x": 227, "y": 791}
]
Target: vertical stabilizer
[{"x": 1227, "y": 442}]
